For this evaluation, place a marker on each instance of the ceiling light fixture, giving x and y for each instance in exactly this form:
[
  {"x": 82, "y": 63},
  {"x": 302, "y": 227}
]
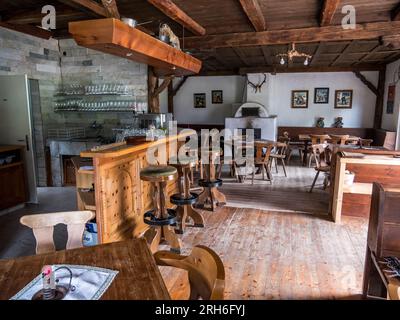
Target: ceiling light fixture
[{"x": 293, "y": 53}]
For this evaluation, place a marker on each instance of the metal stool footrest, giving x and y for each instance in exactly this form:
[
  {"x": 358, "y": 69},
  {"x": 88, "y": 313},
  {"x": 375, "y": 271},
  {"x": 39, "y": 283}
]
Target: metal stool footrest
[
  {"x": 151, "y": 220},
  {"x": 178, "y": 200},
  {"x": 210, "y": 184}
]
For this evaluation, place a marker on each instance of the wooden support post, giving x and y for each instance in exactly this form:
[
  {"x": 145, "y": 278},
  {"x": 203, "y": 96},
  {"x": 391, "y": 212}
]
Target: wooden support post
[
  {"x": 379, "y": 99},
  {"x": 154, "y": 101},
  {"x": 154, "y": 90}
]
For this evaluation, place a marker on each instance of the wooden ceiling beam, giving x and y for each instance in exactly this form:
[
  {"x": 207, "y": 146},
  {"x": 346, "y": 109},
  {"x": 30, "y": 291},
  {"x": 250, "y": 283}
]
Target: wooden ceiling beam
[
  {"x": 254, "y": 13},
  {"x": 364, "y": 31},
  {"x": 88, "y": 6},
  {"x": 328, "y": 12},
  {"x": 111, "y": 8},
  {"x": 172, "y": 11},
  {"x": 279, "y": 69},
  {"x": 28, "y": 29}
]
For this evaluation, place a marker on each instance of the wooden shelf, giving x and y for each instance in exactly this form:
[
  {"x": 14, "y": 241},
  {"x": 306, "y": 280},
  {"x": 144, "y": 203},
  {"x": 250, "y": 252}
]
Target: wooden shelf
[
  {"x": 10, "y": 148},
  {"x": 88, "y": 199},
  {"x": 114, "y": 37},
  {"x": 5, "y": 166},
  {"x": 358, "y": 188}
]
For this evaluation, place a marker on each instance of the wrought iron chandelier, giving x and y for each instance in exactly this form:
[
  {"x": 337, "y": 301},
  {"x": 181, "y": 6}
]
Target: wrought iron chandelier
[{"x": 292, "y": 53}]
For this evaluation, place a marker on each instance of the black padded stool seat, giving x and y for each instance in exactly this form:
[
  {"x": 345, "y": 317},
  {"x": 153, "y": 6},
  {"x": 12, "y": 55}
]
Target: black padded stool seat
[
  {"x": 210, "y": 184},
  {"x": 158, "y": 173}
]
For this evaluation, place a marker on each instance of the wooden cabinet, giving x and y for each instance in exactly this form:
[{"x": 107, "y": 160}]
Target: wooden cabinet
[
  {"x": 384, "y": 222},
  {"x": 383, "y": 240},
  {"x": 12, "y": 177}
]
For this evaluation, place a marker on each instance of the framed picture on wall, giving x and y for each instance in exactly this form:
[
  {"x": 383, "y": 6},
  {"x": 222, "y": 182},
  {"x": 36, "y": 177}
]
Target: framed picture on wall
[
  {"x": 217, "y": 97},
  {"x": 391, "y": 98},
  {"x": 343, "y": 99},
  {"x": 300, "y": 99},
  {"x": 321, "y": 95},
  {"x": 199, "y": 100}
]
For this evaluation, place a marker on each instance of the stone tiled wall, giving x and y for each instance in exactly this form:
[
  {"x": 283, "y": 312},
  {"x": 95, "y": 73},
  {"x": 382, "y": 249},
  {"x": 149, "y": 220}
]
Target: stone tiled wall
[
  {"x": 56, "y": 63},
  {"x": 39, "y": 59}
]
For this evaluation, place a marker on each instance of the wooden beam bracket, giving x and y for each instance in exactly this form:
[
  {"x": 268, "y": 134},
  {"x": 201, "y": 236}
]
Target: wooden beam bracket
[{"x": 364, "y": 80}]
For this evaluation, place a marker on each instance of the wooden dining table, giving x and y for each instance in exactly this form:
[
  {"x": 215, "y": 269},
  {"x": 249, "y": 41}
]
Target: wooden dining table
[
  {"x": 306, "y": 139},
  {"x": 138, "y": 276}
]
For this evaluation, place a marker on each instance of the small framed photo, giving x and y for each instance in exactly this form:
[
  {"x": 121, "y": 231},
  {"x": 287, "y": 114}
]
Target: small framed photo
[
  {"x": 199, "y": 100},
  {"x": 217, "y": 97},
  {"x": 343, "y": 99},
  {"x": 300, "y": 99},
  {"x": 321, "y": 95}
]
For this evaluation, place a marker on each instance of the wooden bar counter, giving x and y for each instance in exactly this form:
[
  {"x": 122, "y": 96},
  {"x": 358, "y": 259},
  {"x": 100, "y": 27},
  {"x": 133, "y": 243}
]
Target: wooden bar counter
[
  {"x": 120, "y": 198},
  {"x": 369, "y": 166}
]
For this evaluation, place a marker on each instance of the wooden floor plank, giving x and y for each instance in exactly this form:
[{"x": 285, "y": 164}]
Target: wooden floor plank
[{"x": 275, "y": 255}]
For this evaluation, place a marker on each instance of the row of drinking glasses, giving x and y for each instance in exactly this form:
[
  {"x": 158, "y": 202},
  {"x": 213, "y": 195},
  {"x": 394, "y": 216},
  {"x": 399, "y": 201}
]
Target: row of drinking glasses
[
  {"x": 74, "y": 105},
  {"x": 76, "y": 89}
]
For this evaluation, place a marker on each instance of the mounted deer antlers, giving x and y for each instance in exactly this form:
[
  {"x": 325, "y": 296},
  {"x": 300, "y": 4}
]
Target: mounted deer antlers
[{"x": 257, "y": 87}]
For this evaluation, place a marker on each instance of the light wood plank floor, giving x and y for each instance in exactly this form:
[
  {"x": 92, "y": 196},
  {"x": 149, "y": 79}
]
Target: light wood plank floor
[
  {"x": 276, "y": 255},
  {"x": 289, "y": 193}
]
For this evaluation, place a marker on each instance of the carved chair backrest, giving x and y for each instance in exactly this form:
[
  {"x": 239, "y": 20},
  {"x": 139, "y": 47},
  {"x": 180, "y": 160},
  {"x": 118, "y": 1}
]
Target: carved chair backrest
[
  {"x": 205, "y": 270},
  {"x": 339, "y": 139},
  {"x": 43, "y": 228},
  {"x": 322, "y": 154}
]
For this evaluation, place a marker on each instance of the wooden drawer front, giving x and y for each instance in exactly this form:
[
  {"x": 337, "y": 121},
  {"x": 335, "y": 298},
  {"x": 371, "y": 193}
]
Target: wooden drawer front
[{"x": 390, "y": 240}]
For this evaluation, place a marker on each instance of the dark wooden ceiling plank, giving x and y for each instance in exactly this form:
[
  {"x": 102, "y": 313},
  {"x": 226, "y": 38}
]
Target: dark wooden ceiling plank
[
  {"x": 241, "y": 55},
  {"x": 396, "y": 13},
  {"x": 254, "y": 13},
  {"x": 364, "y": 58},
  {"x": 316, "y": 54},
  {"x": 266, "y": 51},
  {"x": 172, "y": 11},
  {"x": 305, "y": 35},
  {"x": 88, "y": 6},
  {"x": 328, "y": 11},
  {"x": 28, "y": 29},
  {"x": 343, "y": 53}
]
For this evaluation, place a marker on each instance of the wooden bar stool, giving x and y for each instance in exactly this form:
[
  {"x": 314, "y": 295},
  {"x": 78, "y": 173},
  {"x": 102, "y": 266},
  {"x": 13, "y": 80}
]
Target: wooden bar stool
[
  {"x": 211, "y": 195},
  {"x": 185, "y": 199},
  {"x": 160, "y": 218}
]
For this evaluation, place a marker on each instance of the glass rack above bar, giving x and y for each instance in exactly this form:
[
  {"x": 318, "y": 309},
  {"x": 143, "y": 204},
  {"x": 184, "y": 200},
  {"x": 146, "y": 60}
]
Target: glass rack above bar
[{"x": 95, "y": 90}]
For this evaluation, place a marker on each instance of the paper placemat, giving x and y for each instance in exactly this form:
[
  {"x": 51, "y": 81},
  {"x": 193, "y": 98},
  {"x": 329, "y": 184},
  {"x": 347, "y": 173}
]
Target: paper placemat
[{"x": 90, "y": 282}]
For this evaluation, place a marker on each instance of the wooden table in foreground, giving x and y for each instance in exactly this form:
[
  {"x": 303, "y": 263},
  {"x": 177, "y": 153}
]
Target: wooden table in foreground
[{"x": 138, "y": 279}]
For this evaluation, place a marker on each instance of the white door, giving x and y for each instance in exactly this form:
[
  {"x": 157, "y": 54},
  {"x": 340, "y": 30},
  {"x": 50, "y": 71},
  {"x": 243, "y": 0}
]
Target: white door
[{"x": 16, "y": 123}]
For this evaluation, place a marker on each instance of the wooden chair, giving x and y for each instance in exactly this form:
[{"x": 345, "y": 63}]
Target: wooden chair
[
  {"x": 43, "y": 228},
  {"x": 339, "y": 139},
  {"x": 263, "y": 161},
  {"x": 316, "y": 139},
  {"x": 365, "y": 142},
  {"x": 206, "y": 271},
  {"x": 322, "y": 155},
  {"x": 280, "y": 154}
]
